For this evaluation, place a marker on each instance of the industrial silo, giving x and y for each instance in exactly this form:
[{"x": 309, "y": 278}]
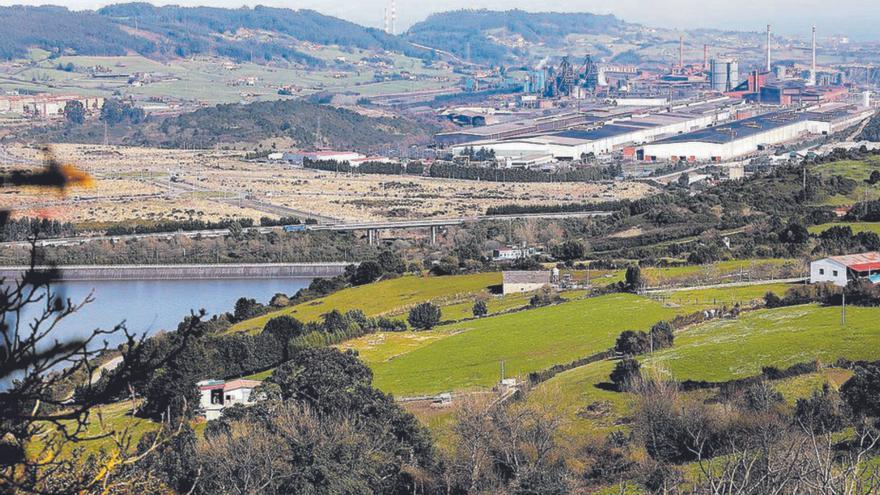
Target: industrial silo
[{"x": 723, "y": 74}]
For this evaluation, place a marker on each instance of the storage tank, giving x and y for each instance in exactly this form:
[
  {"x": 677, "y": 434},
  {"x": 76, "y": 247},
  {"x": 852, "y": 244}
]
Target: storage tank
[{"x": 723, "y": 74}]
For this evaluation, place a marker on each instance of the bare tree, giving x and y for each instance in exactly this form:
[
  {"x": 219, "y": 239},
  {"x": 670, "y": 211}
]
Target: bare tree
[{"x": 41, "y": 418}]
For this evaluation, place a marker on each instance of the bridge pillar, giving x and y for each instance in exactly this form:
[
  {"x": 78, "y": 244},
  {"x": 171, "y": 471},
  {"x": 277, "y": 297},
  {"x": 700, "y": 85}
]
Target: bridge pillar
[
  {"x": 433, "y": 235},
  {"x": 371, "y": 236}
]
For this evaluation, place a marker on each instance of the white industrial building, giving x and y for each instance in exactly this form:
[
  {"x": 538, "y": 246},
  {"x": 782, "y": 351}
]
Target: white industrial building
[
  {"x": 602, "y": 139},
  {"x": 745, "y": 137},
  {"x": 840, "y": 270}
]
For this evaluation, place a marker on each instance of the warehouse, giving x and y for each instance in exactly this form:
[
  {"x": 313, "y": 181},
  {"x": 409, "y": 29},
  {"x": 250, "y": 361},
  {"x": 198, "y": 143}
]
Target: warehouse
[
  {"x": 600, "y": 139},
  {"x": 747, "y": 136}
]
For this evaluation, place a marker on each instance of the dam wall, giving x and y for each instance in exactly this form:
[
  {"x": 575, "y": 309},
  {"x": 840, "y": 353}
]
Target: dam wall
[{"x": 190, "y": 272}]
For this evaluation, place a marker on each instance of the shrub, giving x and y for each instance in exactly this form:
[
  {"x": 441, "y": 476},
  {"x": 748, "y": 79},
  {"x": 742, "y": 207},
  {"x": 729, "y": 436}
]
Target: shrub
[
  {"x": 367, "y": 272},
  {"x": 632, "y": 343},
  {"x": 634, "y": 277},
  {"x": 544, "y": 296},
  {"x": 662, "y": 335},
  {"x": 480, "y": 309},
  {"x": 424, "y": 316},
  {"x": 762, "y": 396},
  {"x": 820, "y": 413},
  {"x": 860, "y": 391},
  {"x": 625, "y": 373},
  {"x": 771, "y": 300}
]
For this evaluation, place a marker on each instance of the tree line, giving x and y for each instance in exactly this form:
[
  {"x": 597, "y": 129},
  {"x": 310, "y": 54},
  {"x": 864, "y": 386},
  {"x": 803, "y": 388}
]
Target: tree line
[{"x": 453, "y": 171}]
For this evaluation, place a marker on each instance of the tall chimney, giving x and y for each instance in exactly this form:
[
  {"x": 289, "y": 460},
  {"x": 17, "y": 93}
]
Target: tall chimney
[
  {"x": 705, "y": 57},
  {"x": 812, "y": 81},
  {"x": 681, "y": 51},
  {"x": 768, "y": 48}
]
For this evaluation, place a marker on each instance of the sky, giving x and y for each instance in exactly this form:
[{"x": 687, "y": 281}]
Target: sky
[{"x": 859, "y": 19}]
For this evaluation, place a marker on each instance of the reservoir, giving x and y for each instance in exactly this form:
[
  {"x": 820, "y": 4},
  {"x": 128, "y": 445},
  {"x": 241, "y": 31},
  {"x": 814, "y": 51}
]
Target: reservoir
[
  {"x": 161, "y": 298},
  {"x": 148, "y": 306}
]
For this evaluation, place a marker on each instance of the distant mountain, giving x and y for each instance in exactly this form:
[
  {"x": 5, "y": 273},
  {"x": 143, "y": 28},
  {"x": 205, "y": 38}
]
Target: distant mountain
[
  {"x": 59, "y": 30},
  {"x": 258, "y": 34},
  {"x": 492, "y": 36}
]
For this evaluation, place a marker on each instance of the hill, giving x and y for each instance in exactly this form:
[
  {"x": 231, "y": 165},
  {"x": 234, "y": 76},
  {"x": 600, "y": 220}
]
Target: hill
[
  {"x": 253, "y": 34},
  {"x": 296, "y": 123},
  {"x": 491, "y": 36},
  {"x": 59, "y": 31}
]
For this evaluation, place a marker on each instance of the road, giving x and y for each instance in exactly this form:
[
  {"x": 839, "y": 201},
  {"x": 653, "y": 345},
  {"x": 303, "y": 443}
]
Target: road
[{"x": 337, "y": 227}]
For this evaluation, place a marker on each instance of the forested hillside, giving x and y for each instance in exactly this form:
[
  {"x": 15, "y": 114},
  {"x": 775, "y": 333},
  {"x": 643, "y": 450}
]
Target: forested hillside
[
  {"x": 58, "y": 30},
  {"x": 464, "y": 32},
  {"x": 307, "y": 125},
  {"x": 258, "y": 34}
]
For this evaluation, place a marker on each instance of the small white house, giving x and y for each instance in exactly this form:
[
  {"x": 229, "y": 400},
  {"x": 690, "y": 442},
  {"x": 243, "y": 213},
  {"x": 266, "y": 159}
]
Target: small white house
[
  {"x": 513, "y": 253},
  {"x": 215, "y": 395},
  {"x": 840, "y": 270}
]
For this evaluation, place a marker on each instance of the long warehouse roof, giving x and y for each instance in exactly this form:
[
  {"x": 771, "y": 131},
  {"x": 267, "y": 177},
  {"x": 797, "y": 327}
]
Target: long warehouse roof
[{"x": 740, "y": 129}]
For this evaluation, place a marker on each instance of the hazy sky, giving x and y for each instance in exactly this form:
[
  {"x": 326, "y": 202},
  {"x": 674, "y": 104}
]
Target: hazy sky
[{"x": 856, "y": 18}]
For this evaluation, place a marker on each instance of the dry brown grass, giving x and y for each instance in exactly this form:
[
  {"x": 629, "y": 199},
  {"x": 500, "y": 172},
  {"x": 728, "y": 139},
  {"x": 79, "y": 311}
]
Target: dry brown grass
[{"x": 133, "y": 185}]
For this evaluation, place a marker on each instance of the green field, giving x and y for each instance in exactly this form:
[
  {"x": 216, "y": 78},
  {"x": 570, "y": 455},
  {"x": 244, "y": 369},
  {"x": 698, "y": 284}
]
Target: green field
[
  {"x": 108, "y": 421},
  {"x": 468, "y": 354},
  {"x": 213, "y": 80},
  {"x": 851, "y": 169},
  {"x": 573, "y": 390},
  {"x": 728, "y": 349},
  {"x": 385, "y": 297},
  {"x": 857, "y": 170},
  {"x": 855, "y": 226},
  {"x": 700, "y": 299},
  {"x": 721, "y": 271}
]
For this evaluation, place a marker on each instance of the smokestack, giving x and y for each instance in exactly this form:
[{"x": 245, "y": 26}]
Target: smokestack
[
  {"x": 812, "y": 81},
  {"x": 390, "y": 17},
  {"x": 705, "y": 57},
  {"x": 681, "y": 51},
  {"x": 768, "y": 48}
]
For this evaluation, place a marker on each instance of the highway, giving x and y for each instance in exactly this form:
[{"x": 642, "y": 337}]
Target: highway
[{"x": 337, "y": 227}]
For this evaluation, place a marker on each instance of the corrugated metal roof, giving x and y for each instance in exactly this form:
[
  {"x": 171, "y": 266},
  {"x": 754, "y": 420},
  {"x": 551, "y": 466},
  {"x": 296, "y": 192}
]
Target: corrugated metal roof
[{"x": 861, "y": 262}]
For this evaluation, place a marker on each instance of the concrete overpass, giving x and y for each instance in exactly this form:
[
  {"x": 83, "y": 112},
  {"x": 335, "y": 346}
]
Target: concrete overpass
[{"x": 371, "y": 228}]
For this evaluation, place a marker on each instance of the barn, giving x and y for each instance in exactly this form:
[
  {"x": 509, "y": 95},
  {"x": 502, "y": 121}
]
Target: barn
[{"x": 515, "y": 282}]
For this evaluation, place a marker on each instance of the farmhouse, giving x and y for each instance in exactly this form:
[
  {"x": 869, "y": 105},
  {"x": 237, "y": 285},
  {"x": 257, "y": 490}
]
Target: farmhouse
[
  {"x": 840, "y": 270},
  {"x": 524, "y": 281},
  {"x": 215, "y": 395},
  {"x": 513, "y": 253}
]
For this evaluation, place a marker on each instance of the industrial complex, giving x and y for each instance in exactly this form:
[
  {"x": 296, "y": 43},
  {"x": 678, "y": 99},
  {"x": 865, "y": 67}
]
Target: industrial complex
[{"x": 706, "y": 112}]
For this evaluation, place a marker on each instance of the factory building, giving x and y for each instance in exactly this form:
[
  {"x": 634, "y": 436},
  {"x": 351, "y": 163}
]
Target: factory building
[
  {"x": 46, "y": 105},
  {"x": 604, "y": 136},
  {"x": 747, "y": 136},
  {"x": 520, "y": 127}
]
